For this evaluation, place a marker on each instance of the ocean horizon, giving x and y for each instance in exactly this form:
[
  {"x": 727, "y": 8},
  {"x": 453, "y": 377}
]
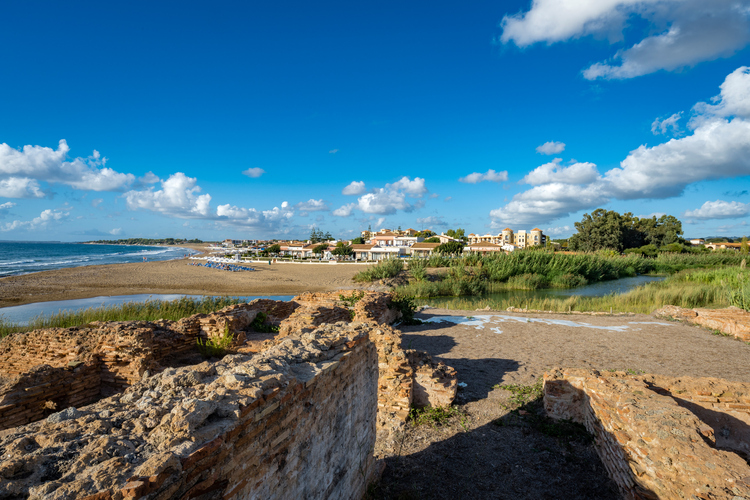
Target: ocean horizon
[{"x": 25, "y": 257}]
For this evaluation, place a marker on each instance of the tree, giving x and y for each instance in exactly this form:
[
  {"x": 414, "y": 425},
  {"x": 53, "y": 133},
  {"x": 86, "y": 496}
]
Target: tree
[
  {"x": 451, "y": 247},
  {"x": 602, "y": 229},
  {"x": 743, "y": 245},
  {"x": 609, "y": 230},
  {"x": 458, "y": 234},
  {"x": 358, "y": 241},
  {"x": 433, "y": 239},
  {"x": 276, "y": 248},
  {"x": 320, "y": 248},
  {"x": 425, "y": 234},
  {"x": 342, "y": 249}
]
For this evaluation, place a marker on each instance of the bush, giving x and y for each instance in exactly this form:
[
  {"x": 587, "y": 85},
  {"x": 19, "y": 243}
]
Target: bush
[
  {"x": 388, "y": 268},
  {"x": 568, "y": 281},
  {"x": 215, "y": 347},
  {"x": 407, "y": 307},
  {"x": 418, "y": 268},
  {"x": 528, "y": 281},
  {"x": 259, "y": 324}
]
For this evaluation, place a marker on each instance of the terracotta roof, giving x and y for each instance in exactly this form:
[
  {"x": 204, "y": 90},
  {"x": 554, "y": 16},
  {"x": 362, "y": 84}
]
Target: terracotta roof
[
  {"x": 362, "y": 247},
  {"x": 424, "y": 246},
  {"x": 537, "y": 229},
  {"x": 484, "y": 245},
  {"x": 508, "y": 229}
]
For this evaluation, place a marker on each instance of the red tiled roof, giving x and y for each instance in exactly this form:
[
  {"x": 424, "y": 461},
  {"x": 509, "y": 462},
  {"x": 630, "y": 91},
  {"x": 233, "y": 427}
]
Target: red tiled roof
[{"x": 425, "y": 246}]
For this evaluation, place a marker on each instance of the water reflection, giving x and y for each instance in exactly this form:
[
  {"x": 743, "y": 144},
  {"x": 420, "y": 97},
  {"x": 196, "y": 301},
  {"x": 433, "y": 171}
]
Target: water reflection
[
  {"x": 22, "y": 314},
  {"x": 600, "y": 289}
]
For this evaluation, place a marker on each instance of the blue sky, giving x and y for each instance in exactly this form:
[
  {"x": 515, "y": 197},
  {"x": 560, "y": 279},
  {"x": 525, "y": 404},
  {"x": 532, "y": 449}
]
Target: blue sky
[{"x": 254, "y": 120}]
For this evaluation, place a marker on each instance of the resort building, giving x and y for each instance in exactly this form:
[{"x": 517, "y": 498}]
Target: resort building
[
  {"x": 423, "y": 249},
  {"x": 724, "y": 246},
  {"x": 521, "y": 239}
]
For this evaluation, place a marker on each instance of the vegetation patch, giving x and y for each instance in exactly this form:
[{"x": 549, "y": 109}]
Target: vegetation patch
[
  {"x": 388, "y": 268},
  {"x": 215, "y": 347},
  {"x": 438, "y": 416},
  {"x": 130, "y": 311},
  {"x": 259, "y": 324}
]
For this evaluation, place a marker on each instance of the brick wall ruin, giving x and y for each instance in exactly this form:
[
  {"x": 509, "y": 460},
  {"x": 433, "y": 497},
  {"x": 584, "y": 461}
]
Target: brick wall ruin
[
  {"x": 255, "y": 423},
  {"x": 296, "y": 421},
  {"x": 660, "y": 437}
]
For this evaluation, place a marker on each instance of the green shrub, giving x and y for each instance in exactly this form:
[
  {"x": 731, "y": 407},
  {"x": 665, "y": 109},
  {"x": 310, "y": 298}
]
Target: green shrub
[
  {"x": 418, "y": 268},
  {"x": 407, "y": 307},
  {"x": 259, "y": 324},
  {"x": 529, "y": 281},
  {"x": 215, "y": 347},
  {"x": 568, "y": 281},
  {"x": 388, "y": 268}
]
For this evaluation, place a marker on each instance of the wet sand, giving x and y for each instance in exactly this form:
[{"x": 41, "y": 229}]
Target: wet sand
[{"x": 173, "y": 276}]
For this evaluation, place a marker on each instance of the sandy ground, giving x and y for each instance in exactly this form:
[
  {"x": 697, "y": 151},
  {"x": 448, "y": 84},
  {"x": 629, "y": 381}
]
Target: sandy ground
[
  {"x": 174, "y": 276},
  {"x": 493, "y": 452}
]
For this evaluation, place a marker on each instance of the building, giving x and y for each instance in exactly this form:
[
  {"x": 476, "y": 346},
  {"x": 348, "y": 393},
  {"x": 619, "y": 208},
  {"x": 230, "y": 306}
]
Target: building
[
  {"x": 423, "y": 249},
  {"x": 521, "y": 239}
]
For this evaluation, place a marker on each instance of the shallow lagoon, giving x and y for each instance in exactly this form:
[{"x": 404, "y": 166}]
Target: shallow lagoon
[
  {"x": 599, "y": 289},
  {"x": 22, "y": 314}
]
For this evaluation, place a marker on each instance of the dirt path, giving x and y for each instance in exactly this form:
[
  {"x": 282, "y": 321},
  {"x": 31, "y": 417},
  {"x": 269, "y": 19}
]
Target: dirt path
[{"x": 495, "y": 453}]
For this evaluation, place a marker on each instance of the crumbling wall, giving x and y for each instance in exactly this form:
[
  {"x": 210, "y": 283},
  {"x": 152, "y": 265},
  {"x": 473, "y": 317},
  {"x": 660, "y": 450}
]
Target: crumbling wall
[
  {"x": 732, "y": 320},
  {"x": 122, "y": 353},
  {"x": 45, "y": 370},
  {"x": 651, "y": 442},
  {"x": 295, "y": 421}
]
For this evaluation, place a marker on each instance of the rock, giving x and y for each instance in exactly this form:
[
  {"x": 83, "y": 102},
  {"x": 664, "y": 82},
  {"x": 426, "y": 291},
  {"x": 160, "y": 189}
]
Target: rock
[{"x": 61, "y": 416}]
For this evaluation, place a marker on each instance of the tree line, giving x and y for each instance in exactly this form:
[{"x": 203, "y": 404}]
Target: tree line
[{"x": 147, "y": 241}]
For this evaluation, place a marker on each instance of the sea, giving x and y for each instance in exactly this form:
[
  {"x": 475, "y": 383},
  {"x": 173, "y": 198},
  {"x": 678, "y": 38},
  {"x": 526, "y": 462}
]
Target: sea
[{"x": 23, "y": 257}]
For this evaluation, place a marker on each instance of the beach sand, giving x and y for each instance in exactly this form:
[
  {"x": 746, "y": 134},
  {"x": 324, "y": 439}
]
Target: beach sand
[{"x": 173, "y": 276}]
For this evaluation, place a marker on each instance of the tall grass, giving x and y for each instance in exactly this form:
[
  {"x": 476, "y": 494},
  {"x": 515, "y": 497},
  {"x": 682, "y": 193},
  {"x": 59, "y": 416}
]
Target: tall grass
[
  {"x": 532, "y": 270},
  {"x": 130, "y": 311},
  {"x": 689, "y": 289},
  {"x": 388, "y": 268}
]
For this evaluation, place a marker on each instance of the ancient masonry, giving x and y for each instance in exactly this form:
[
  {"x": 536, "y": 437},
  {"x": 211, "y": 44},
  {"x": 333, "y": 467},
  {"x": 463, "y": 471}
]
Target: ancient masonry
[
  {"x": 125, "y": 410},
  {"x": 661, "y": 437},
  {"x": 731, "y": 321}
]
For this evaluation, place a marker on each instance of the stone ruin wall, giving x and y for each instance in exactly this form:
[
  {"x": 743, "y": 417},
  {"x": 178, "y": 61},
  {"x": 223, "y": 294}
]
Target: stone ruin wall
[
  {"x": 658, "y": 436},
  {"x": 295, "y": 421},
  {"x": 45, "y": 371},
  {"x": 730, "y": 321}
]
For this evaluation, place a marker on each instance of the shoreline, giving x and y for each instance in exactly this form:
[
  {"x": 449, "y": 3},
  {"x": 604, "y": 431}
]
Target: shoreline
[{"x": 175, "y": 276}]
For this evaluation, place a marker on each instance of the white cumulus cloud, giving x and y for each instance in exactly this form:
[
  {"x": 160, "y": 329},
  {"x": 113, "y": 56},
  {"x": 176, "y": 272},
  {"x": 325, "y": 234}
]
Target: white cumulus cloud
[
  {"x": 662, "y": 126},
  {"x": 178, "y": 197},
  {"x": 386, "y": 200},
  {"x": 551, "y": 148},
  {"x": 21, "y": 170},
  {"x": 720, "y": 209},
  {"x": 355, "y": 188},
  {"x": 345, "y": 210},
  {"x": 253, "y": 172},
  {"x": 718, "y": 148},
  {"x": 40, "y": 222},
  {"x": 312, "y": 205},
  {"x": 577, "y": 173},
  {"x": 489, "y": 176},
  {"x": 675, "y": 33}
]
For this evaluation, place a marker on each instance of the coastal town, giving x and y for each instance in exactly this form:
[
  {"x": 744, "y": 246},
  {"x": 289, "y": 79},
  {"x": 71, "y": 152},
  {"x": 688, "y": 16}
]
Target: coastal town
[{"x": 388, "y": 243}]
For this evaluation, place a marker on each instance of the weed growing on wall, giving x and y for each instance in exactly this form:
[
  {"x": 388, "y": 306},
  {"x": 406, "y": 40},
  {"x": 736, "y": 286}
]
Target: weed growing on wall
[
  {"x": 259, "y": 324},
  {"x": 215, "y": 347}
]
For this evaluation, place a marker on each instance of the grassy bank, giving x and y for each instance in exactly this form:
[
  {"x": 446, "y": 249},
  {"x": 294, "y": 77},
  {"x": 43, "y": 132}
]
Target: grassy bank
[
  {"x": 534, "y": 270},
  {"x": 130, "y": 311},
  {"x": 691, "y": 288}
]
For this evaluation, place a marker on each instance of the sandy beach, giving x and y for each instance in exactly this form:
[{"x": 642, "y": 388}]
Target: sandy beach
[{"x": 173, "y": 276}]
